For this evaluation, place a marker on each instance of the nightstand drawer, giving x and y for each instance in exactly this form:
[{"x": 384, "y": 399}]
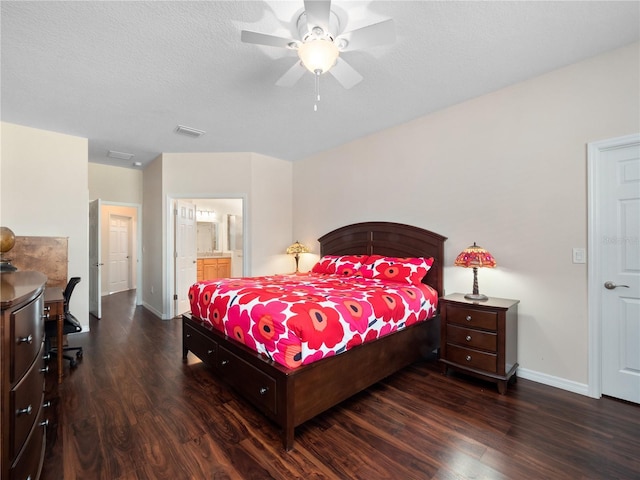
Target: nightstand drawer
[
  {"x": 472, "y": 338},
  {"x": 472, "y": 318},
  {"x": 469, "y": 358}
]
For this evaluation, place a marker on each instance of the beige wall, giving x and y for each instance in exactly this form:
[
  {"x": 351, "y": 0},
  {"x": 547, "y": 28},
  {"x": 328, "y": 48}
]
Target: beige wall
[
  {"x": 506, "y": 170},
  {"x": 115, "y": 184},
  {"x": 44, "y": 193},
  {"x": 120, "y": 191}
]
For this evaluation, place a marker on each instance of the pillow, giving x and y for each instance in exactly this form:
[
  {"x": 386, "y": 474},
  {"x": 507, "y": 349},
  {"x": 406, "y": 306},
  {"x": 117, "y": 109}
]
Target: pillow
[
  {"x": 401, "y": 270},
  {"x": 344, "y": 265}
]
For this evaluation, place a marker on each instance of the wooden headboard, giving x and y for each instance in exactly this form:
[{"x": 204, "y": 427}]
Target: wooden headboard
[{"x": 389, "y": 239}]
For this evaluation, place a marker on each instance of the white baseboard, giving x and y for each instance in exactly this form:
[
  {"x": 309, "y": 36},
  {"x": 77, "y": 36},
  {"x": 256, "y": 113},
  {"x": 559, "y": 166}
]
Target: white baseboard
[
  {"x": 557, "y": 382},
  {"x": 153, "y": 310}
]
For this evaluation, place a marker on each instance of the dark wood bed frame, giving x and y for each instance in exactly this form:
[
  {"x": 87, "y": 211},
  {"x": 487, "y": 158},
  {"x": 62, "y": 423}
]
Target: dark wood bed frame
[{"x": 290, "y": 397}]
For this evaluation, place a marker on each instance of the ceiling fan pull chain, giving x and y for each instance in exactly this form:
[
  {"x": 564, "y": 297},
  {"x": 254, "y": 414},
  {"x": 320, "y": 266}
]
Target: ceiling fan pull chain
[{"x": 317, "y": 86}]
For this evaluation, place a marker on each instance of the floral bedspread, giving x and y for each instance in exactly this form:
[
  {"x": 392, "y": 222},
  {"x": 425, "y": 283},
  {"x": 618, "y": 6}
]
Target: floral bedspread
[{"x": 298, "y": 319}]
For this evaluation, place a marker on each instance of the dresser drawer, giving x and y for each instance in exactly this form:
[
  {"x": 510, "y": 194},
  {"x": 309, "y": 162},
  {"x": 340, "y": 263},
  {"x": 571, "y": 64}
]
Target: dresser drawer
[
  {"x": 472, "y": 338},
  {"x": 472, "y": 318},
  {"x": 470, "y": 358},
  {"x": 27, "y": 334},
  {"x": 258, "y": 386},
  {"x": 26, "y": 402},
  {"x": 29, "y": 462},
  {"x": 203, "y": 347}
]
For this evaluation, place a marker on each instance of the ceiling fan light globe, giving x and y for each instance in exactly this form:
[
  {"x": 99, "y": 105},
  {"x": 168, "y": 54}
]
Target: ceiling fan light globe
[{"x": 318, "y": 55}]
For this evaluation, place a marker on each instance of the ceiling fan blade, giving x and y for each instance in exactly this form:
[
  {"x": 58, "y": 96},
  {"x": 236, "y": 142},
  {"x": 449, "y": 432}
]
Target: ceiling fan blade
[
  {"x": 345, "y": 74},
  {"x": 264, "y": 39},
  {"x": 380, "y": 33},
  {"x": 292, "y": 75},
  {"x": 318, "y": 12}
]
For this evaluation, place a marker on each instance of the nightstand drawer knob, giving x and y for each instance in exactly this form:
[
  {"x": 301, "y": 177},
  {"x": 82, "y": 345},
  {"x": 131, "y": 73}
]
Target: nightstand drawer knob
[
  {"x": 468, "y": 338},
  {"x": 468, "y": 318},
  {"x": 468, "y": 359}
]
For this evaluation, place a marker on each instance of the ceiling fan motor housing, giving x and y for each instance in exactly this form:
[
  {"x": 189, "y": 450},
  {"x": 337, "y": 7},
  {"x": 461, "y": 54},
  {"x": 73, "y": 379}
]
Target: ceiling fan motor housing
[{"x": 308, "y": 31}]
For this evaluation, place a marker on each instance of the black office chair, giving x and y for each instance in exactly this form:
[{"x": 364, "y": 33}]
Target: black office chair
[{"x": 71, "y": 325}]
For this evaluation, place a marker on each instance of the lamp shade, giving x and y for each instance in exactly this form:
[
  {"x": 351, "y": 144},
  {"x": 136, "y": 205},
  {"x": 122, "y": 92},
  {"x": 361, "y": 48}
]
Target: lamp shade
[
  {"x": 297, "y": 248},
  {"x": 318, "y": 55},
  {"x": 475, "y": 257}
]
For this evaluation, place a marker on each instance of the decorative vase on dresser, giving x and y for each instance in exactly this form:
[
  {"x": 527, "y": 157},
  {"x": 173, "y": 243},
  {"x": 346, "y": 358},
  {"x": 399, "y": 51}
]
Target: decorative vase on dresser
[
  {"x": 22, "y": 375},
  {"x": 480, "y": 338}
]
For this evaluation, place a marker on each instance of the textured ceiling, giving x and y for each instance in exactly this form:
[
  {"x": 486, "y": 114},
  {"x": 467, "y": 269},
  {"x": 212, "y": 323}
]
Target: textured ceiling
[{"x": 125, "y": 74}]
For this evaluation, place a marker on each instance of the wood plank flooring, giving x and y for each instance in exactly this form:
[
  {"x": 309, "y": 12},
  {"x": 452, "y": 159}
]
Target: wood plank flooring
[{"x": 132, "y": 409}]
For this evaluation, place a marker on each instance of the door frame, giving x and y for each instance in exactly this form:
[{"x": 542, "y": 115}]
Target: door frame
[
  {"x": 95, "y": 258},
  {"x": 594, "y": 256},
  {"x": 169, "y": 304}
]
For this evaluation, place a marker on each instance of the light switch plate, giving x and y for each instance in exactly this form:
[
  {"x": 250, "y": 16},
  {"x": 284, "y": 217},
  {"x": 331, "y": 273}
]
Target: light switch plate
[{"x": 579, "y": 255}]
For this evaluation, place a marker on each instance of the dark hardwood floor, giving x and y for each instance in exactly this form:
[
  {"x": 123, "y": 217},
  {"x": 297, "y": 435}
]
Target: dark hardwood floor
[{"x": 132, "y": 409}]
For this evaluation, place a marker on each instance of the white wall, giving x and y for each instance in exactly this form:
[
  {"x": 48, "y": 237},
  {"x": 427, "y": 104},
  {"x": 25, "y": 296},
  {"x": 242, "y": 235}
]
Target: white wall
[
  {"x": 45, "y": 193},
  {"x": 506, "y": 170},
  {"x": 264, "y": 183}
]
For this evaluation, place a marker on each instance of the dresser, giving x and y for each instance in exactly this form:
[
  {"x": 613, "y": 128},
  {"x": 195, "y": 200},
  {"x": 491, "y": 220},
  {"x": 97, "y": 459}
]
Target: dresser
[
  {"x": 480, "y": 338},
  {"x": 22, "y": 375}
]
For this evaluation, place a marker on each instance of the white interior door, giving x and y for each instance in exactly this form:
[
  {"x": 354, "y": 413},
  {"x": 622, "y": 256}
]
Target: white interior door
[
  {"x": 616, "y": 167},
  {"x": 95, "y": 288},
  {"x": 119, "y": 253},
  {"x": 185, "y": 254}
]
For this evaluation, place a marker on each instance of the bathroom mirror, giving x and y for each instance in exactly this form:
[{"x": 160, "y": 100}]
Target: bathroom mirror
[{"x": 207, "y": 235}]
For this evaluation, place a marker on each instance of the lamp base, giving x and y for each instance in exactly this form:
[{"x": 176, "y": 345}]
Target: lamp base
[{"x": 476, "y": 296}]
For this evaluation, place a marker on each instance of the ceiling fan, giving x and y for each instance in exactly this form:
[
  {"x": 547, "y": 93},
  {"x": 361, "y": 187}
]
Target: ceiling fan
[{"x": 320, "y": 43}]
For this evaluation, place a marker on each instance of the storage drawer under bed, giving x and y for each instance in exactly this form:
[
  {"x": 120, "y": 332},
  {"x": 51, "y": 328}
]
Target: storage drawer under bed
[
  {"x": 259, "y": 387},
  {"x": 203, "y": 347}
]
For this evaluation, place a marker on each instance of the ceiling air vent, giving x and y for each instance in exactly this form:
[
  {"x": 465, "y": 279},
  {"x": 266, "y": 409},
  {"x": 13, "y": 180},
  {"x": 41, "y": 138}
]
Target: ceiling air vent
[
  {"x": 189, "y": 132},
  {"x": 120, "y": 155}
]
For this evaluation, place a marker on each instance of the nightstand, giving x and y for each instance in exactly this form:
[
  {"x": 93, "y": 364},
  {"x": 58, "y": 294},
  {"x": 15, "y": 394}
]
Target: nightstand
[{"x": 480, "y": 338}]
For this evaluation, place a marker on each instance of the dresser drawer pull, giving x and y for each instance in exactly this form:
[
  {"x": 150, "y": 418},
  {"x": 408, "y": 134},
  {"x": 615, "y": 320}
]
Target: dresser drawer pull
[
  {"x": 210, "y": 351},
  {"x": 47, "y": 308},
  {"x": 45, "y": 317},
  {"x": 45, "y": 369},
  {"x": 44, "y": 423},
  {"x": 47, "y": 404},
  {"x": 28, "y": 339},
  {"x": 263, "y": 390},
  {"x": 188, "y": 335},
  {"x": 24, "y": 411},
  {"x": 468, "y": 338},
  {"x": 224, "y": 362},
  {"x": 468, "y": 319},
  {"x": 468, "y": 358},
  {"x": 46, "y": 357}
]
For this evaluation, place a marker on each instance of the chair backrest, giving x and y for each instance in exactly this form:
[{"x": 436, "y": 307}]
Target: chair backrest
[{"x": 73, "y": 281}]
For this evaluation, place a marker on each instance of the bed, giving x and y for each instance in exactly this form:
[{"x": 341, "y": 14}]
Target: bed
[{"x": 291, "y": 396}]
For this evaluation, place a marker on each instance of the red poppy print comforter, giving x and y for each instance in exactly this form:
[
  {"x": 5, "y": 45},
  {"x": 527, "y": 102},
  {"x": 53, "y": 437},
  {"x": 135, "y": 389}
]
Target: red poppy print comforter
[{"x": 298, "y": 319}]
